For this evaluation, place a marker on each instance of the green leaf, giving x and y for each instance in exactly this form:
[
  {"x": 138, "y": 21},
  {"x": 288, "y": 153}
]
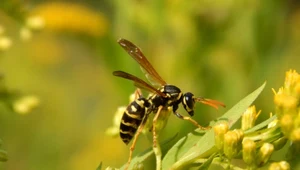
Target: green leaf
[
  {"x": 100, "y": 166},
  {"x": 198, "y": 145},
  {"x": 207, "y": 163},
  {"x": 261, "y": 125}
]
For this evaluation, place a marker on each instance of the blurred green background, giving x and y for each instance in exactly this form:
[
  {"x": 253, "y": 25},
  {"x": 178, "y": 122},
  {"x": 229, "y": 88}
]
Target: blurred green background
[{"x": 63, "y": 53}]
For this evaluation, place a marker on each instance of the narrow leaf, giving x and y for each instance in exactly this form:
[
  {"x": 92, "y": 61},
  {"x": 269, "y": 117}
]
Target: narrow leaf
[
  {"x": 261, "y": 125},
  {"x": 100, "y": 166},
  {"x": 207, "y": 163}
]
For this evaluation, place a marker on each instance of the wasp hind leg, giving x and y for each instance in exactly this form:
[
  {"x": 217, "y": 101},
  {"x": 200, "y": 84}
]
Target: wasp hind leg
[
  {"x": 191, "y": 120},
  {"x": 140, "y": 129},
  {"x": 156, "y": 146},
  {"x": 137, "y": 94}
]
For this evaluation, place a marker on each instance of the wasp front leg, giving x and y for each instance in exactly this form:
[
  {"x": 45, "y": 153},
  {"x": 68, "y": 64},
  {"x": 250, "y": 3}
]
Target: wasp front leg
[{"x": 191, "y": 120}]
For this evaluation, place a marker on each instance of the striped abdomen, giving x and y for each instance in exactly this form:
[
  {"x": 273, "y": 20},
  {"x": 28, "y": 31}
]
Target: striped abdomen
[{"x": 132, "y": 118}]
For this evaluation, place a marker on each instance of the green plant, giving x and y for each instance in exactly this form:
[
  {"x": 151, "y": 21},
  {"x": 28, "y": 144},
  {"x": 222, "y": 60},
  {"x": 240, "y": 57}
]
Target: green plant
[{"x": 254, "y": 144}]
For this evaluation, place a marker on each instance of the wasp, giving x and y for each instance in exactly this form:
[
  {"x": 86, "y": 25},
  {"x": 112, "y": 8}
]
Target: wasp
[{"x": 162, "y": 98}]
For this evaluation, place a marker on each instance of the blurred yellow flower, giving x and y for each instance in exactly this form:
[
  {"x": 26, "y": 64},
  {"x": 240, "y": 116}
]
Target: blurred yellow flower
[
  {"x": 114, "y": 130},
  {"x": 70, "y": 17},
  {"x": 25, "y": 34},
  {"x": 25, "y": 104},
  {"x": 5, "y": 43},
  {"x": 35, "y": 22}
]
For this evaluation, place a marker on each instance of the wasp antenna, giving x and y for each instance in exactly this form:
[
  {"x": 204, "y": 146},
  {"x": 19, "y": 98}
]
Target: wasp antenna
[{"x": 213, "y": 103}]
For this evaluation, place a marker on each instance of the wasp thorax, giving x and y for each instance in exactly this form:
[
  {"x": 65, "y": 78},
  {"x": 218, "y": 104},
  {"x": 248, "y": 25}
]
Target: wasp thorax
[
  {"x": 188, "y": 103},
  {"x": 173, "y": 93}
]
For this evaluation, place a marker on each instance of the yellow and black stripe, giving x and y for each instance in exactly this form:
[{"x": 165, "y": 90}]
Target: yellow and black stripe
[{"x": 132, "y": 118}]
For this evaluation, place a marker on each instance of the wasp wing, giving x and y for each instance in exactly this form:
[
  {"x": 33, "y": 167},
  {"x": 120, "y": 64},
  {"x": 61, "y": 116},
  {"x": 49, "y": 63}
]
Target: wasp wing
[
  {"x": 138, "y": 56},
  {"x": 138, "y": 82}
]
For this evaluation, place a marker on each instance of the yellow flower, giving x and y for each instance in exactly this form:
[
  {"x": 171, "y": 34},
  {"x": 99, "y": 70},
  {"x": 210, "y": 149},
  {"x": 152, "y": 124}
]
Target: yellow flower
[
  {"x": 220, "y": 129},
  {"x": 233, "y": 143},
  {"x": 5, "y": 43},
  {"x": 70, "y": 17},
  {"x": 249, "y": 117},
  {"x": 283, "y": 165},
  {"x": 115, "y": 128},
  {"x": 26, "y": 104},
  {"x": 287, "y": 106},
  {"x": 292, "y": 79},
  {"x": 264, "y": 154},
  {"x": 249, "y": 151}
]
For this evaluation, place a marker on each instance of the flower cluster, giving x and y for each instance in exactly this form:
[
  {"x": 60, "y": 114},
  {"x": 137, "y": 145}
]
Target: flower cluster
[
  {"x": 287, "y": 106},
  {"x": 255, "y": 149},
  {"x": 256, "y": 146}
]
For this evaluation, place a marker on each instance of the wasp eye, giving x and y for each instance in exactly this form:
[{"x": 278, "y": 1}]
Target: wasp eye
[{"x": 188, "y": 103}]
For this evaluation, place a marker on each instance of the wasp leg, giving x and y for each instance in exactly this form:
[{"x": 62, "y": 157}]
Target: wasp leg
[
  {"x": 156, "y": 147},
  {"x": 140, "y": 129},
  {"x": 137, "y": 93},
  {"x": 191, "y": 120}
]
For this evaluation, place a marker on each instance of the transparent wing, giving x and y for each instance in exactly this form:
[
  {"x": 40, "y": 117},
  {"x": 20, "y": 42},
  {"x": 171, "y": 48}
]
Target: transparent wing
[
  {"x": 138, "y": 82},
  {"x": 150, "y": 79},
  {"x": 138, "y": 56}
]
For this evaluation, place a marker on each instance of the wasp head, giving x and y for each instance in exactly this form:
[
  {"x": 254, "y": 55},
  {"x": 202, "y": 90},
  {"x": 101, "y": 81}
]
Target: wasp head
[{"x": 188, "y": 103}]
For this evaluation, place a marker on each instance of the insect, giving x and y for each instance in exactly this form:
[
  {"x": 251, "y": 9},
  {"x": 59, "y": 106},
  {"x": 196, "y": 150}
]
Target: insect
[{"x": 161, "y": 98}]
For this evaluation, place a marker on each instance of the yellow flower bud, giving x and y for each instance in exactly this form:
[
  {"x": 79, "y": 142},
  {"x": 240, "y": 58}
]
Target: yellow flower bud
[
  {"x": 264, "y": 154},
  {"x": 283, "y": 165},
  {"x": 295, "y": 135},
  {"x": 285, "y": 101},
  {"x": 286, "y": 123},
  {"x": 249, "y": 117},
  {"x": 292, "y": 78},
  {"x": 220, "y": 129},
  {"x": 232, "y": 143},
  {"x": 249, "y": 151},
  {"x": 273, "y": 123}
]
